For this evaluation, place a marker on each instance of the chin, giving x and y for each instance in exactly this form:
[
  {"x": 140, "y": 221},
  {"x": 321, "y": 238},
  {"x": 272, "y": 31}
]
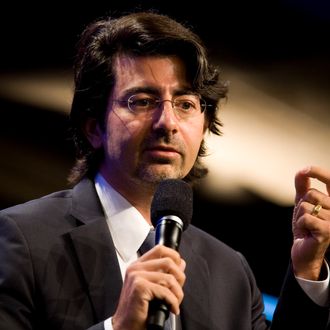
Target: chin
[{"x": 155, "y": 176}]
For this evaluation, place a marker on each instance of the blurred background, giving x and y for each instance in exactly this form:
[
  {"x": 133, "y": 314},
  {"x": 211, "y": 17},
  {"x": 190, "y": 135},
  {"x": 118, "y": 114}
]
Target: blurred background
[{"x": 274, "y": 55}]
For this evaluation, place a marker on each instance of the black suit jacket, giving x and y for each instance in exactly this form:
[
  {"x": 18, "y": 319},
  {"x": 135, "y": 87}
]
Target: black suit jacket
[{"x": 59, "y": 270}]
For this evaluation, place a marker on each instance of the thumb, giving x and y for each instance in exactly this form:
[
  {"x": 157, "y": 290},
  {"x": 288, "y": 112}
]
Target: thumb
[{"x": 302, "y": 183}]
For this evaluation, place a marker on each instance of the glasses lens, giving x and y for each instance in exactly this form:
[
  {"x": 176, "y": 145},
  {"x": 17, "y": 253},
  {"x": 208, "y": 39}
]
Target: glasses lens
[
  {"x": 187, "y": 105},
  {"x": 142, "y": 103}
]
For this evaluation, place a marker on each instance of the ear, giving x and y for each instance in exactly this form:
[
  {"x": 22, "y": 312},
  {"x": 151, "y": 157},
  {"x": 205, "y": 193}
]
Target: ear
[
  {"x": 93, "y": 132},
  {"x": 206, "y": 124}
]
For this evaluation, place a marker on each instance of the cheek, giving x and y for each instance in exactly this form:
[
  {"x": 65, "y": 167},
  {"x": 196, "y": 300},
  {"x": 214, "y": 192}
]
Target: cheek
[
  {"x": 123, "y": 134},
  {"x": 194, "y": 136}
]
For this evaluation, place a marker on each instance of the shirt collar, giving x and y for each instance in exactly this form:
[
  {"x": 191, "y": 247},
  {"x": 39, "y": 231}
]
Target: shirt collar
[{"x": 127, "y": 226}]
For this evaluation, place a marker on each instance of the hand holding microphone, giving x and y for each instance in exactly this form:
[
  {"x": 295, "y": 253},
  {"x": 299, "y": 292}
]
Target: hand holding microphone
[{"x": 171, "y": 213}]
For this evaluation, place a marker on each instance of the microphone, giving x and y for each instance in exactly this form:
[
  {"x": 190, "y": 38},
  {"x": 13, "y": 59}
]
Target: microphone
[{"x": 171, "y": 213}]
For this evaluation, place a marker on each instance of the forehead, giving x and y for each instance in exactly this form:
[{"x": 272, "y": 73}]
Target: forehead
[{"x": 153, "y": 71}]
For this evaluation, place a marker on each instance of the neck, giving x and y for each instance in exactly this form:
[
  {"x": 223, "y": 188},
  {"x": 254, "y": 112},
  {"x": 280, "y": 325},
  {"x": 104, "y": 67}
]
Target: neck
[{"x": 138, "y": 193}]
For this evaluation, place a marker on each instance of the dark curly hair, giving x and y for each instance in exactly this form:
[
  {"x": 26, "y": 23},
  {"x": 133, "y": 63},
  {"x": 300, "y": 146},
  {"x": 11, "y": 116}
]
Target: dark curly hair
[{"x": 135, "y": 34}]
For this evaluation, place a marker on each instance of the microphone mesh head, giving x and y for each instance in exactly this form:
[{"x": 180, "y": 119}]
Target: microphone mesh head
[{"x": 172, "y": 197}]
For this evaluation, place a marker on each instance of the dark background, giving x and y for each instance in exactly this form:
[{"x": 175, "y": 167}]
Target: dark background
[{"x": 36, "y": 152}]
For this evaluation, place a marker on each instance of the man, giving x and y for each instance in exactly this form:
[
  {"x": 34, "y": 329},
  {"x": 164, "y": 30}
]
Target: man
[{"x": 145, "y": 96}]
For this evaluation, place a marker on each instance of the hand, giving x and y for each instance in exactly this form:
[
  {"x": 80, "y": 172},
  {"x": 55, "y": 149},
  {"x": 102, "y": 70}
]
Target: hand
[
  {"x": 159, "y": 273},
  {"x": 311, "y": 228}
]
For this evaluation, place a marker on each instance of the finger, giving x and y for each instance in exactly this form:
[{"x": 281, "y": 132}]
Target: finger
[
  {"x": 155, "y": 285},
  {"x": 183, "y": 265},
  {"x": 314, "y": 196},
  {"x": 314, "y": 227},
  {"x": 311, "y": 210},
  {"x": 160, "y": 264},
  {"x": 173, "y": 296},
  {"x": 318, "y": 173},
  {"x": 163, "y": 266},
  {"x": 168, "y": 281},
  {"x": 160, "y": 251}
]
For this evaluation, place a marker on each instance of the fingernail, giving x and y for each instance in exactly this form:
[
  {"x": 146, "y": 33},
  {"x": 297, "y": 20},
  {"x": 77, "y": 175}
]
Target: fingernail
[{"x": 305, "y": 169}]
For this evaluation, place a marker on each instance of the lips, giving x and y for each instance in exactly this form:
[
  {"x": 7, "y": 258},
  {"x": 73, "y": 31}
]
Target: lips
[{"x": 162, "y": 151}]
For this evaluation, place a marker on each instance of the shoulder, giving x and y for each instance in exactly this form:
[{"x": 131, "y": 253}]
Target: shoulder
[
  {"x": 39, "y": 204},
  {"x": 38, "y": 215},
  {"x": 56, "y": 202},
  {"x": 36, "y": 224},
  {"x": 59, "y": 209}
]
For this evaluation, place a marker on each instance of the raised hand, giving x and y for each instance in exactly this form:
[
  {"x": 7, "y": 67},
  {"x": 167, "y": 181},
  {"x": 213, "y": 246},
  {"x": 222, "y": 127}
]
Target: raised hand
[{"x": 310, "y": 223}]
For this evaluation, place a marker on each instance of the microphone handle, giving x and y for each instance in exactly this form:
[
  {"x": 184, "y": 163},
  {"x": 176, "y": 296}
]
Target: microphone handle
[
  {"x": 157, "y": 315},
  {"x": 168, "y": 233}
]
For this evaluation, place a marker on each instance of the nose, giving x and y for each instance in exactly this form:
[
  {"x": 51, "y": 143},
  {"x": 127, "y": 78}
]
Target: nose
[
  {"x": 166, "y": 117},
  {"x": 163, "y": 103}
]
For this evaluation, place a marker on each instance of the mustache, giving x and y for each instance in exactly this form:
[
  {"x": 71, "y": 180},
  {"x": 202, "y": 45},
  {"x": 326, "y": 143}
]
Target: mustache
[{"x": 166, "y": 143}]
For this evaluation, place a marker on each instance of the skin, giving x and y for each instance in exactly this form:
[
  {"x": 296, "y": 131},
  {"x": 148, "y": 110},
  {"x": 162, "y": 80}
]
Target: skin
[
  {"x": 311, "y": 233},
  {"x": 140, "y": 152}
]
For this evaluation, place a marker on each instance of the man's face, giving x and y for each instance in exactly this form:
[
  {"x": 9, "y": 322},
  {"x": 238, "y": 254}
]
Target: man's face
[{"x": 149, "y": 147}]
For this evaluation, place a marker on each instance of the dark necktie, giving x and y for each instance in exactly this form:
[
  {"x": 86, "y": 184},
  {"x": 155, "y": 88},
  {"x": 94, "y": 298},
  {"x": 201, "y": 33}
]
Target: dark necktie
[{"x": 149, "y": 243}]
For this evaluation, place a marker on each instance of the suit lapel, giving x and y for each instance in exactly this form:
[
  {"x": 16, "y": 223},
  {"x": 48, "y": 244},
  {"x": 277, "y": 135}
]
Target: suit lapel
[
  {"x": 195, "y": 304},
  {"x": 95, "y": 252}
]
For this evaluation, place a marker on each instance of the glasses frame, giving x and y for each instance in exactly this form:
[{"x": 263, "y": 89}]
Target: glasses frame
[{"x": 158, "y": 101}]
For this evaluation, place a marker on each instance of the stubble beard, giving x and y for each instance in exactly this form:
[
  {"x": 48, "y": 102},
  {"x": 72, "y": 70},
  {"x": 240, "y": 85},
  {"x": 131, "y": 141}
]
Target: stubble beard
[{"x": 155, "y": 173}]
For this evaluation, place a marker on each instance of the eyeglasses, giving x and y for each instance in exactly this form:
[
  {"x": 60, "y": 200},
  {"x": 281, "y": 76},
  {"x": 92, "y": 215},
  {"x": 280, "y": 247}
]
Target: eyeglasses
[{"x": 185, "y": 106}]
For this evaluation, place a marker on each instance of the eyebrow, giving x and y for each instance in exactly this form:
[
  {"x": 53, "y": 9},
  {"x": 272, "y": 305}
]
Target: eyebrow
[
  {"x": 141, "y": 89},
  {"x": 154, "y": 91}
]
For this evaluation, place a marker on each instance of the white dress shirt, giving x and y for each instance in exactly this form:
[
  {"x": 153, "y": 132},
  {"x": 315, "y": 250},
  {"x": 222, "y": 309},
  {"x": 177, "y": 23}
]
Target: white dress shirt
[{"x": 129, "y": 229}]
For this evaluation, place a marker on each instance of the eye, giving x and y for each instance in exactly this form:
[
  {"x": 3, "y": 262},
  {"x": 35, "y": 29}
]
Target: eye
[
  {"x": 185, "y": 105},
  {"x": 142, "y": 102}
]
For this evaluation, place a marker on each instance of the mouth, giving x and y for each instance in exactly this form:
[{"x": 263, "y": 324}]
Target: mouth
[{"x": 162, "y": 152}]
